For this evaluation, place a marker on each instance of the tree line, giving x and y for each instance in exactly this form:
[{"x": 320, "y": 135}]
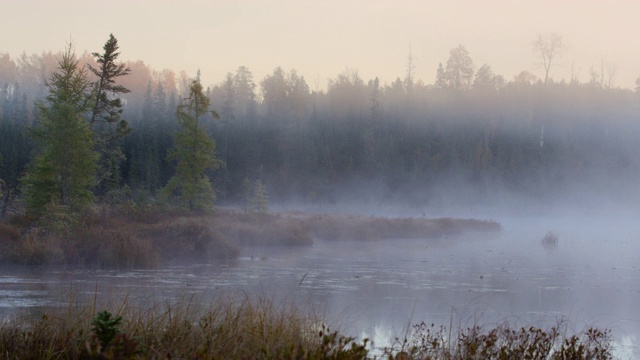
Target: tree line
[{"x": 471, "y": 131}]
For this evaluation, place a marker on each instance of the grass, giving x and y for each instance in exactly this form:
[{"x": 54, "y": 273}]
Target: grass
[
  {"x": 230, "y": 328},
  {"x": 116, "y": 241},
  {"x": 352, "y": 227},
  {"x": 244, "y": 327},
  {"x": 502, "y": 342},
  {"x": 130, "y": 238}
]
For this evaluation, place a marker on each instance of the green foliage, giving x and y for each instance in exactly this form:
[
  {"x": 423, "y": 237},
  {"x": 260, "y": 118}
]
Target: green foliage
[
  {"x": 106, "y": 112},
  {"x": 108, "y": 340},
  {"x": 106, "y": 327},
  {"x": 245, "y": 195},
  {"x": 63, "y": 171},
  {"x": 194, "y": 151},
  {"x": 260, "y": 200}
]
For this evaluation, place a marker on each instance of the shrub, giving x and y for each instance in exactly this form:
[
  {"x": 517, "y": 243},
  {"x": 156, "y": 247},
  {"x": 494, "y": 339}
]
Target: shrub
[{"x": 501, "y": 342}]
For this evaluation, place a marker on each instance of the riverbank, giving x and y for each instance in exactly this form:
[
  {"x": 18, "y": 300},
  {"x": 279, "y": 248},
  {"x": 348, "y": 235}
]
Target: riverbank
[
  {"x": 145, "y": 239},
  {"x": 256, "y": 328}
]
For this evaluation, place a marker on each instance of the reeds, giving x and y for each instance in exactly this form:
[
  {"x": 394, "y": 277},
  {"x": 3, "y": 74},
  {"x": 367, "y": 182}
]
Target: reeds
[
  {"x": 351, "y": 227},
  {"x": 230, "y": 328},
  {"x": 502, "y": 342},
  {"x": 115, "y": 241},
  {"x": 151, "y": 238},
  {"x": 245, "y": 327}
]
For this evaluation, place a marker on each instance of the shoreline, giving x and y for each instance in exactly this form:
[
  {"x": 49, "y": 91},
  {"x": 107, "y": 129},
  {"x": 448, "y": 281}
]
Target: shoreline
[{"x": 150, "y": 239}]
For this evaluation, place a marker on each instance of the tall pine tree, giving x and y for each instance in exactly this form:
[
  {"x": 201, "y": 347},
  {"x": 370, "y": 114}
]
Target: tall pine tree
[
  {"x": 106, "y": 112},
  {"x": 194, "y": 151}
]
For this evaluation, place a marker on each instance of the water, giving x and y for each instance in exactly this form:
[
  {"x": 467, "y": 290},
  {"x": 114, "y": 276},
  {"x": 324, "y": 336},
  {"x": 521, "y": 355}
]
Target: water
[{"x": 377, "y": 289}]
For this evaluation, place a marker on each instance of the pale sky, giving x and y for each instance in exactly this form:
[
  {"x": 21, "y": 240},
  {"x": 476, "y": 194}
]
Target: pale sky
[{"x": 322, "y": 38}]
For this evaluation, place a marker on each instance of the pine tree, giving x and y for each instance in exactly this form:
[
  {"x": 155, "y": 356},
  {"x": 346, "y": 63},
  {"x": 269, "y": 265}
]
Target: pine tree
[
  {"x": 64, "y": 169},
  {"x": 245, "y": 195},
  {"x": 260, "y": 201},
  {"x": 194, "y": 151},
  {"x": 106, "y": 112}
]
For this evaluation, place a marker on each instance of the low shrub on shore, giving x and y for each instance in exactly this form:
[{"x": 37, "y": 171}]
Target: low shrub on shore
[{"x": 502, "y": 342}]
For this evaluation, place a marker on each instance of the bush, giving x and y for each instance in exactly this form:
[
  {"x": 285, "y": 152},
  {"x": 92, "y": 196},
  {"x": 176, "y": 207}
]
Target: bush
[{"x": 502, "y": 342}]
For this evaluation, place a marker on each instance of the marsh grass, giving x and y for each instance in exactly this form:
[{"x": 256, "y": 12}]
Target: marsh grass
[
  {"x": 117, "y": 241},
  {"x": 246, "y": 327},
  {"x": 263, "y": 229},
  {"x": 130, "y": 237},
  {"x": 230, "y": 328},
  {"x": 353, "y": 227}
]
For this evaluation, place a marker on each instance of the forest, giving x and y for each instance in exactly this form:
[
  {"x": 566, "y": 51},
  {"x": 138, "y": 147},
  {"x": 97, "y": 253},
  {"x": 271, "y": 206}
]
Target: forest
[{"x": 472, "y": 137}]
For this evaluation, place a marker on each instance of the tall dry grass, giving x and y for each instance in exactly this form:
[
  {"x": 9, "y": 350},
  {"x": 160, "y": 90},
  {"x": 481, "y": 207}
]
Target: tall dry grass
[
  {"x": 130, "y": 237},
  {"x": 262, "y": 229},
  {"x": 351, "y": 227},
  {"x": 117, "y": 241},
  {"x": 230, "y": 328},
  {"x": 244, "y": 327},
  {"x": 502, "y": 341}
]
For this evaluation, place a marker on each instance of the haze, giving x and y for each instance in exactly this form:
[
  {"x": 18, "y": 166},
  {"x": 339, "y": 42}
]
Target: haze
[{"x": 321, "y": 38}]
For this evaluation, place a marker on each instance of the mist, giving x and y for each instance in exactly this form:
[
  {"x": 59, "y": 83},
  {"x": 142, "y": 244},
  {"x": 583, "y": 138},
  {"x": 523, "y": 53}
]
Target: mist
[{"x": 325, "y": 142}]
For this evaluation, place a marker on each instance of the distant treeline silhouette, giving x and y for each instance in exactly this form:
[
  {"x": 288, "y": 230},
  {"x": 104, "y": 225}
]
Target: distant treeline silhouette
[{"x": 360, "y": 140}]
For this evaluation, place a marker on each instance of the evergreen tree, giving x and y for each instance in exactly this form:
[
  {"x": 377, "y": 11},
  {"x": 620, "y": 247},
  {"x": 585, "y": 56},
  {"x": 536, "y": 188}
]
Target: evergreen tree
[
  {"x": 260, "y": 200},
  {"x": 106, "y": 113},
  {"x": 4, "y": 193},
  {"x": 244, "y": 93},
  {"x": 194, "y": 151},
  {"x": 63, "y": 171},
  {"x": 245, "y": 195},
  {"x": 441, "y": 77}
]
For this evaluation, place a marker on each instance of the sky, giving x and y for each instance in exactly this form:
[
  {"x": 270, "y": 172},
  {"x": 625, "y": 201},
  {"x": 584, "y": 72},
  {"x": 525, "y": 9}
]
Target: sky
[{"x": 321, "y": 39}]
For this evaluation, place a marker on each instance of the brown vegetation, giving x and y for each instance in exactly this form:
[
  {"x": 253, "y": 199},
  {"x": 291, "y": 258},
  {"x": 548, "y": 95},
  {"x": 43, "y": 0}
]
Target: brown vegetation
[
  {"x": 257, "y": 328},
  {"x": 332, "y": 227},
  {"x": 231, "y": 328},
  {"x": 550, "y": 240},
  {"x": 117, "y": 241},
  {"x": 502, "y": 342},
  {"x": 147, "y": 238}
]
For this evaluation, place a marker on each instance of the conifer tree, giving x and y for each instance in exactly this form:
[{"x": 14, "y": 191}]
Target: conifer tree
[
  {"x": 106, "y": 112},
  {"x": 194, "y": 151},
  {"x": 64, "y": 169},
  {"x": 260, "y": 201}
]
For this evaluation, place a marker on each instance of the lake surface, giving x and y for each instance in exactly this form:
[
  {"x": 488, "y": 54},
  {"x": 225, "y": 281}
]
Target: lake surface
[{"x": 377, "y": 289}]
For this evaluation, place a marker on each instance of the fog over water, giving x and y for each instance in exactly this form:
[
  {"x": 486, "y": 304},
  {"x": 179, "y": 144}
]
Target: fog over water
[
  {"x": 427, "y": 109},
  {"x": 377, "y": 289}
]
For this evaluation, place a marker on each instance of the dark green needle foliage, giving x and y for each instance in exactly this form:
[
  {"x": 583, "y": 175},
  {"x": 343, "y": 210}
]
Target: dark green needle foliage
[
  {"x": 107, "y": 108},
  {"x": 64, "y": 169},
  {"x": 194, "y": 152}
]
